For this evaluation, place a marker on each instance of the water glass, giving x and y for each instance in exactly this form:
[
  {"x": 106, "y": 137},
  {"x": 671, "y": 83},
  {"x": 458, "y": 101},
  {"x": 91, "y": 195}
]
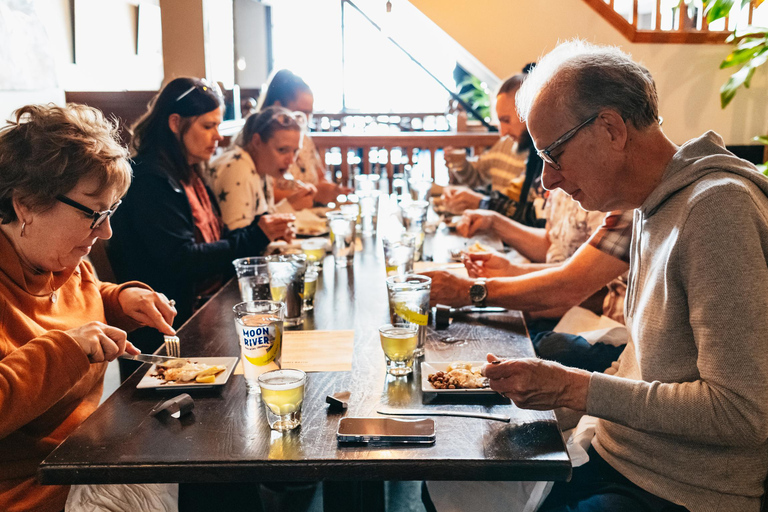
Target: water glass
[
  {"x": 310, "y": 287},
  {"x": 342, "y": 226},
  {"x": 282, "y": 392},
  {"x": 420, "y": 188},
  {"x": 399, "y": 251},
  {"x": 286, "y": 284},
  {"x": 366, "y": 183},
  {"x": 369, "y": 211},
  {"x": 314, "y": 250},
  {"x": 253, "y": 278},
  {"x": 352, "y": 208},
  {"x": 399, "y": 186},
  {"x": 409, "y": 304},
  {"x": 399, "y": 343},
  {"x": 414, "y": 221},
  {"x": 259, "y": 325}
]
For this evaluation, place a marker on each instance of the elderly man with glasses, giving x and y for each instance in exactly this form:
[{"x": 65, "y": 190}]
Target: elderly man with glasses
[{"x": 683, "y": 415}]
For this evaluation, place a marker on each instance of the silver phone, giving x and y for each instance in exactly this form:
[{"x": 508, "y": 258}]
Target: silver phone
[{"x": 386, "y": 431}]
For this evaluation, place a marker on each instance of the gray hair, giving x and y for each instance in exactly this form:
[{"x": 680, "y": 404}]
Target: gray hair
[{"x": 583, "y": 78}]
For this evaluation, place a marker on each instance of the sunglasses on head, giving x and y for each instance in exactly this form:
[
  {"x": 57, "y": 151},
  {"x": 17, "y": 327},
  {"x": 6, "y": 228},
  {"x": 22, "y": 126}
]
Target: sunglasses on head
[{"x": 202, "y": 85}]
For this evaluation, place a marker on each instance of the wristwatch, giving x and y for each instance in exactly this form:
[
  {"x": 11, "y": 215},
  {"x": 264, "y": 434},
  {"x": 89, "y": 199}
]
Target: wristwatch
[{"x": 478, "y": 292}]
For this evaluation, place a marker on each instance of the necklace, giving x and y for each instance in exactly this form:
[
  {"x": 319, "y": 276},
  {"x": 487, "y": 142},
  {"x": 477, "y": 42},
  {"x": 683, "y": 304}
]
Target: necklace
[{"x": 54, "y": 297}]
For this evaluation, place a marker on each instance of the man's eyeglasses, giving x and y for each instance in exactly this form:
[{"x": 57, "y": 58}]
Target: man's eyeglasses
[
  {"x": 204, "y": 86},
  {"x": 98, "y": 217},
  {"x": 546, "y": 153}
]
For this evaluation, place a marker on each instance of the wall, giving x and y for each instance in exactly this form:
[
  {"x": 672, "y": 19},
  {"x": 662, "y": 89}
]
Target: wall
[
  {"x": 104, "y": 50},
  {"x": 251, "y": 45},
  {"x": 505, "y": 34}
]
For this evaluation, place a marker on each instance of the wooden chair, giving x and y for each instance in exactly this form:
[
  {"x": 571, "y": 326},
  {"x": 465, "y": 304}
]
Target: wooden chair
[{"x": 100, "y": 262}]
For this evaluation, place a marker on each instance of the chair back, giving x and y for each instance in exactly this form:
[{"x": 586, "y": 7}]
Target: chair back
[{"x": 100, "y": 261}]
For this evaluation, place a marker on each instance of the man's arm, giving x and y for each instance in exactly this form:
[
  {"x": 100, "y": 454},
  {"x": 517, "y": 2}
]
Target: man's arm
[
  {"x": 566, "y": 285},
  {"x": 532, "y": 243},
  {"x": 556, "y": 288}
]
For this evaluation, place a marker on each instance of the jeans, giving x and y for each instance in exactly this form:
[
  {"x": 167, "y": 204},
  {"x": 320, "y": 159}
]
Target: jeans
[
  {"x": 596, "y": 486},
  {"x": 575, "y": 351}
]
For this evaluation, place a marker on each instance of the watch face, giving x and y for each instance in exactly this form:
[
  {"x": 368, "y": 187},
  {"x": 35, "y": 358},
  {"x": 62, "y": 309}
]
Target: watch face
[{"x": 477, "y": 292}]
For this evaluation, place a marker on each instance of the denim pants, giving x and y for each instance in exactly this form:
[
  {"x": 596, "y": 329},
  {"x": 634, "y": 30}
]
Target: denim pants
[{"x": 575, "y": 351}]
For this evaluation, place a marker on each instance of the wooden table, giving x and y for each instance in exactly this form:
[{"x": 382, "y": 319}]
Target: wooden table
[{"x": 226, "y": 438}]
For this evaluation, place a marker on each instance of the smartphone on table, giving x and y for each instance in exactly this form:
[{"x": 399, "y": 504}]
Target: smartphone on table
[{"x": 386, "y": 431}]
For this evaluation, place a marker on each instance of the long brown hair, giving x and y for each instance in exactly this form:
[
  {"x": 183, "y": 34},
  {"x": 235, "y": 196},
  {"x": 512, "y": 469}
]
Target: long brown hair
[{"x": 151, "y": 135}]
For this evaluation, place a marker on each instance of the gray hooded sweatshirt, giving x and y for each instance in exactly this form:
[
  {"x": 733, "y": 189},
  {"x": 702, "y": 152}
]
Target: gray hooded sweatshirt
[{"x": 685, "y": 416}]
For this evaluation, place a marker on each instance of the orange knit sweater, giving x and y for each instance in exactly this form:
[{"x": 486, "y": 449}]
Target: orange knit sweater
[{"x": 47, "y": 385}]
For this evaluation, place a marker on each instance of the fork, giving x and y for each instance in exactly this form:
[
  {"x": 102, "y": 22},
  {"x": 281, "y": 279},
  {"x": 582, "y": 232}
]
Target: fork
[{"x": 172, "y": 347}]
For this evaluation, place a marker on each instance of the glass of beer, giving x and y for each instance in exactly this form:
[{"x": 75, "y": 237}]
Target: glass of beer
[
  {"x": 399, "y": 343},
  {"x": 259, "y": 325},
  {"x": 310, "y": 287},
  {"x": 282, "y": 392},
  {"x": 314, "y": 249}
]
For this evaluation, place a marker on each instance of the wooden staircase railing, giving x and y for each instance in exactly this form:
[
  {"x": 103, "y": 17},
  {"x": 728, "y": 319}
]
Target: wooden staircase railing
[
  {"x": 651, "y": 22},
  {"x": 352, "y": 147}
]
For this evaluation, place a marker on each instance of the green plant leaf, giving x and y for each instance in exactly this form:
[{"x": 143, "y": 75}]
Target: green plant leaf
[
  {"x": 716, "y": 9},
  {"x": 763, "y": 168},
  {"x": 740, "y": 56},
  {"x": 729, "y": 88},
  {"x": 750, "y": 73},
  {"x": 750, "y": 30},
  {"x": 762, "y": 139}
]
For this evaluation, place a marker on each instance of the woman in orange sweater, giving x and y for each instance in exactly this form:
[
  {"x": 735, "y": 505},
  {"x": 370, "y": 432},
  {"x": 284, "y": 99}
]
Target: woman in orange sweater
[{"x": 62, "y": 173}]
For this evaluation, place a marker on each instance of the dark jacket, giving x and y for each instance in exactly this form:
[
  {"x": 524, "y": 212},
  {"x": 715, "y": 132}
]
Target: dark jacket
[{"x": 154, "y": 240}]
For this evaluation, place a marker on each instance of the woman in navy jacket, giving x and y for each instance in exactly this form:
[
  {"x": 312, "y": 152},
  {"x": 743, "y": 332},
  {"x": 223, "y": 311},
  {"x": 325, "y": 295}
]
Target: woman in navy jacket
[{"x": 168, "y": 232}]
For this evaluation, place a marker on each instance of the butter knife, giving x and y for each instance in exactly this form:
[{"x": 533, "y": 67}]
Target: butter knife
[
  {"x": 440, "y": 412},
  {"x": 152, "y": 359}
]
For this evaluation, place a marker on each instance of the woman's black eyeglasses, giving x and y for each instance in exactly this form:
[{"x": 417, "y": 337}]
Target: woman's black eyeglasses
[
  {"x": 98, "y": 217},
  {"x": 204, "y": 86}
]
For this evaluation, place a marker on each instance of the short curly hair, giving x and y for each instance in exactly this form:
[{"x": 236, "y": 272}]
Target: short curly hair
[{"x": 48, "y": 149}]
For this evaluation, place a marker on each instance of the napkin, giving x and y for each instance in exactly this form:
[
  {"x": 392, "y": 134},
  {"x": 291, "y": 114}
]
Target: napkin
[{"x": 592, "y": 327}]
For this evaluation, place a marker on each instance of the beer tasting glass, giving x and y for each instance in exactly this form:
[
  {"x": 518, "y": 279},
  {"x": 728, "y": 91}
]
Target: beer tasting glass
[
  {"x": 399, "y": 343},
  {"x": 414, "y": 221},
  {"x": 259, "y": 325},
  {"x": 342, "y": 226},
  {"x": 286, "y": 283},
  {"x": 314, "y": 249},
  {"x": 310, "y": 287},
  {"x": 253, "y": 278},
  {"x": 282, "y": 392},
  {"x": 409, "y": 304},
  {"x": 399, "y": 251}
]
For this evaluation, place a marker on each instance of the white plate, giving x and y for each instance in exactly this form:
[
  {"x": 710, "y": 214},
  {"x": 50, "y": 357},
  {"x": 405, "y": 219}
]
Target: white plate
[
  {"x": 428, "y": 368},
  {"x": 152, "y": 381}
]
